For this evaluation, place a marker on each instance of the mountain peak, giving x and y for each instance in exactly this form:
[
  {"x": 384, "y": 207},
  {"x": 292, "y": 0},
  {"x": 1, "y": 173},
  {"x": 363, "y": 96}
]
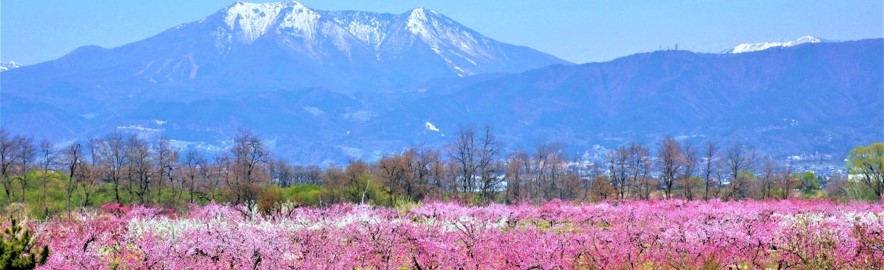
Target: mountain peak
[
  {"x": 241, "y": 4},
  {"x": 754, "y": 47},
  {"x": 421, "y": 11},
  {"x": 417, "y": 20},
  {"x": 253, "y": 20}
]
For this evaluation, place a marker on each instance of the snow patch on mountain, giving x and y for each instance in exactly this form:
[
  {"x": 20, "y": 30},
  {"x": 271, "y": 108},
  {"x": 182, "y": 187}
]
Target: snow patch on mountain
[
  {"x": 754, "y": 47},
  {"x": 429, "y": 126},
  {"x": 365, "y": 27},
  {"x": 252, "y": 20},
  {"x": 139, "y": 128},
  {"x": 417, "y": 23},
  {"x": 9, "y": 66},
  {"x": 300, "y": 21}
]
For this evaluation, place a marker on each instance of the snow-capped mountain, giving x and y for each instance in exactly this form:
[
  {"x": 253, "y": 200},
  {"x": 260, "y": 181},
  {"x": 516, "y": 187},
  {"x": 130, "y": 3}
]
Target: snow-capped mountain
[
  {"x": 754, "y": 47},
  {"x": 249, "y": 46},
  {"x": 303, "y": 73},
  {"x": 352, "y": 34},
  {"x": 9, "y": 65}
]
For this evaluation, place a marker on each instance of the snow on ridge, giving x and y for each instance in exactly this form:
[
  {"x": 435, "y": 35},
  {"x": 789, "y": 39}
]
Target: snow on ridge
[
  {"x": 369, "y": 28},
  {"x": 457, "y": 45},
  {"x": 754, "y": 47},
  {"x": 302, "y": 20},
  {"x": 429, "y": 126},
  {"x": 417, "y": 23},
  {"x": 253, "y": 20},
  {"x": 250, "y": 21},
  {"x": 9, "y": 66}
]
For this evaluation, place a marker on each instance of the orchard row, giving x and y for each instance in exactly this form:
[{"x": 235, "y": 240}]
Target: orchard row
[{"x": 663, "y": 234}]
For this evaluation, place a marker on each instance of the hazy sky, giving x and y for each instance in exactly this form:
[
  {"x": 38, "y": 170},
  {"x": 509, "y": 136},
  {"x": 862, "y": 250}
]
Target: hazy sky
[{"x": 33, "y": 31}]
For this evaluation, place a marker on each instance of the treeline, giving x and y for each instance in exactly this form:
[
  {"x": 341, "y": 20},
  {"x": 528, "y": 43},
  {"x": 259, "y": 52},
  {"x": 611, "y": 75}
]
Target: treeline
[{"x": 471, "y": 168}]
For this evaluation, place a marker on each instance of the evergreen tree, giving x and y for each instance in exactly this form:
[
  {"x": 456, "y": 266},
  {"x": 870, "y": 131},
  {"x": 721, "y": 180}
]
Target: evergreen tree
[{"x": 18, "y": 249}]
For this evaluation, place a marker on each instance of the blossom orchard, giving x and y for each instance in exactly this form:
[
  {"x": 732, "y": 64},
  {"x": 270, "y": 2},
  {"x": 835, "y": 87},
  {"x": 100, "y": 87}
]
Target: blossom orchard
[{"x": 671, "y": 234}]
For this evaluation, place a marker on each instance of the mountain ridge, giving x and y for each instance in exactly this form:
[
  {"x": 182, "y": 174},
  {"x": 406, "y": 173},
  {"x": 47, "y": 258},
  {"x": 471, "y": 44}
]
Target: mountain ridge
[
  {"x": 823, "y": 97},
  {"x": 755, "y": 47}
]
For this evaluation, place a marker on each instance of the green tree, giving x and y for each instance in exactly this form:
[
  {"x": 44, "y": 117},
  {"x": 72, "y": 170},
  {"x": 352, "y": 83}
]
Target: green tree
[
  {"x": 19, "y": 250},
  {"x": 866, "y": 165},
  {"x": 810, "y": 182}
]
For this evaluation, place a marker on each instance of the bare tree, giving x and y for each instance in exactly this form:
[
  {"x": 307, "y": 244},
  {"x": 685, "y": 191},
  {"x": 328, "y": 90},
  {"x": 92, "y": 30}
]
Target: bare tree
[
  {"x": 516, "y": 189},
  {"x": 588, "y": 173},
  {"x": 93, "y": 172},
  {"x": 221, "y": 172},
  {"x": 787, "y": 181},
  {"x": 549, "y": 162},
  {"x": 139, "y": 170},
  {"x": 618, "y": 162},
  {"x": 27, "y": 153},
  {"x": 47, "y": 160},
  {"x": 112, "y": 157},
  {"x": 709, "y": 169},
  {"x": 250, "y": 156},
  {"x": 16, "y": 155},
  {"x": 689, "y": 165},
  {"x": 306, "y": 175},
  {"x": 490, "y": 167},
  {"x": 601, "y": 188},
  {"x": 435, "y": 172},
  {"x": 282, "y": 173},
  {"x": 570, "y": 186},
  {"x": 73, "y": 158},
  {"x": 640, "y": 169},
  {"x": 8, "y": 154},
  {"x": 463, "y": 155},
  {"x": 474, "y": 157},
  {"x": 738, "y": 158},
  {"x": 193, "y": 171},
  {"x": 394, "y": 173},
  {"x": 410, "y": 173},
  {"x": 767, "y": 181},
  {"x": 424, "y": 165},
  {"x": 165, "y": 158},
  {"x": 669, "y": 162}
]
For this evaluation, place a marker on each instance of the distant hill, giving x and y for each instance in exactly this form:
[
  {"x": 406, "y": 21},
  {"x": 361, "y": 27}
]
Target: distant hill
[{"x": 826, "y": 97}]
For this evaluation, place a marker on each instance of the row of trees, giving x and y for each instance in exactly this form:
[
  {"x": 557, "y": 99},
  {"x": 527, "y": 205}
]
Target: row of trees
[
  {"x": 129, "y": 169},
  {"x": 681, "y": 169},
  {"x": 472, "y": 167}
]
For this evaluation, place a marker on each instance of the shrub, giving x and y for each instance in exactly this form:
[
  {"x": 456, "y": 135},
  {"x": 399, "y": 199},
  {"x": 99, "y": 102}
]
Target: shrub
[{"x": 19, "y": 250}]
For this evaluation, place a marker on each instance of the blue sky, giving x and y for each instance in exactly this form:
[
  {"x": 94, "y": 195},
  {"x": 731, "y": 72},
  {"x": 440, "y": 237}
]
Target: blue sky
[{"x": 33, "y": 31}]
